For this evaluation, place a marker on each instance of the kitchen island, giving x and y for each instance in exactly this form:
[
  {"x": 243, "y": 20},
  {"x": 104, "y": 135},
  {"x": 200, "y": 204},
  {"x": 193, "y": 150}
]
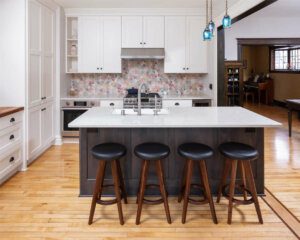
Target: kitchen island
[{"x": 208, "y": 125}]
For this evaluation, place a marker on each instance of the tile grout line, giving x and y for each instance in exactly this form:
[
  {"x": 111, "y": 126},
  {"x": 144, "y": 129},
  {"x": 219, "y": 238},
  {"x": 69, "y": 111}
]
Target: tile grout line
[{"x": 287, "y": 217}]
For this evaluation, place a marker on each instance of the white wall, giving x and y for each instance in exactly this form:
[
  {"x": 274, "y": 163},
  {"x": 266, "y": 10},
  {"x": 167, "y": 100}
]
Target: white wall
[
  {"x": 262, "y": 24},
  {"x": 12, "y": 52}
]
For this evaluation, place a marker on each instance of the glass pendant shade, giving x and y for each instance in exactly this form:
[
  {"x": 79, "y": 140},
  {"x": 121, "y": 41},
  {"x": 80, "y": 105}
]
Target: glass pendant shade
[
  {"x": 207, "y": 34},
  {"x": 211, "y": 27},
  {"x": 226, "y": 21}
]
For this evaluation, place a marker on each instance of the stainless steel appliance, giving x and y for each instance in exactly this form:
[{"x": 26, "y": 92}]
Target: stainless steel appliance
[
  {"x": 72, "y": 109},
  {"x": 148, "y": 100}
]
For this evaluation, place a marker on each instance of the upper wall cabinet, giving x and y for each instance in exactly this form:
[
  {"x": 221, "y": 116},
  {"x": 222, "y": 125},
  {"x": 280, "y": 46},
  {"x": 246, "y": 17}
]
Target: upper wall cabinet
[
  {"x": 185, "y": 50},
  {"x": 99, "y": 45},
  {"x": 143, "y": 32}
]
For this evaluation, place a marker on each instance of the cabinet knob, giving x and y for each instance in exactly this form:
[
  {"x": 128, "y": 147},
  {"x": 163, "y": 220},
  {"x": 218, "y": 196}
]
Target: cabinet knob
[
  {"x": 187, "y": 68},
  {"x": 101, "y": 68},
  {"x": 112, "y": 104},
  {"x": 144, "y": 43},
  {"x": 177, "y": 104},
  {"x": 11, "y": 159},
  {"x": 98, "y": 68},
  {"x": 141, "y": 43},
  {"x": 11, "y": 137},
  {"x": 12, "y": 120},
  {"x": 183, "y": 68}
]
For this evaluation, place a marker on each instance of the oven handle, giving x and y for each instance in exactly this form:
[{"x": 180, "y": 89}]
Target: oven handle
[{"x": 75, "y": 109}]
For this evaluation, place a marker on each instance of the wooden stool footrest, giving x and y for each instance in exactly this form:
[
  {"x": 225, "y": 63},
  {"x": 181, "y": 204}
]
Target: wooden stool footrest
[
  {"x": 235, "y": 200},
  {"x": 107, "y": 202}
]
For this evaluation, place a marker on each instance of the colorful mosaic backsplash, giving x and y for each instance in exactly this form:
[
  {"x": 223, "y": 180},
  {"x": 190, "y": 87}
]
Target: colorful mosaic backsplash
[{"x": 134, "y": 73}]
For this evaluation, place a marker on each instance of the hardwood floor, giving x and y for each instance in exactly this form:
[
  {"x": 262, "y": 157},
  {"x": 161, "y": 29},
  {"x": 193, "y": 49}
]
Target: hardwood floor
[{"x": 43, "y": 202}]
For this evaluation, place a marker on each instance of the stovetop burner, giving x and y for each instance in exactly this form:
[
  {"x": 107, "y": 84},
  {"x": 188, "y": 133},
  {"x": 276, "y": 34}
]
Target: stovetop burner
[{"x": 144, "y": 95}]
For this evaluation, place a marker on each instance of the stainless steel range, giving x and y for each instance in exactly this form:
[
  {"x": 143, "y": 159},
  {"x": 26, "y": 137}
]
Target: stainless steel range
[
  {"x": 148, "y": 100},
  {"x": 71, "y": 110}
]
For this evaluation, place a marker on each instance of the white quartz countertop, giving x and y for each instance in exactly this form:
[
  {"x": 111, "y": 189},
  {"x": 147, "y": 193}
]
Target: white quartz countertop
[{"x": 178, "y": 117}]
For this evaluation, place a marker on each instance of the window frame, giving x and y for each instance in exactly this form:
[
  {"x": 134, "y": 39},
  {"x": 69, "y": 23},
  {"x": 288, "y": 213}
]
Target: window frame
[{"x": 272, "y": 60}]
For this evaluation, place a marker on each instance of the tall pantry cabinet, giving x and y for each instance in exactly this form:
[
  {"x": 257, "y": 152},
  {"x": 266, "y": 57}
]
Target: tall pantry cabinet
[{"x": 40, "y": 82}]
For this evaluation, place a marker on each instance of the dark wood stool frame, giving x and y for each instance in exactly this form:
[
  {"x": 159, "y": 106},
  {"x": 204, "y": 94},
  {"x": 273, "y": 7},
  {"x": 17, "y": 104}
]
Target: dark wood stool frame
[
  {"x": 143, "y": 186},
  {"x": 119, "y": 187},
  {"x": 186, "y": 188},
  {"x": 247, "y": 176}
]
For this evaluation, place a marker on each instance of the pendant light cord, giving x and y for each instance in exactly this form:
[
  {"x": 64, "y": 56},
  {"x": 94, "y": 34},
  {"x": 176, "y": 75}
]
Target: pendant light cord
[
  {"x": 206, "y": 12},
  {"x": 211, "y": 11},
  {"x": 226, "y": 7}
]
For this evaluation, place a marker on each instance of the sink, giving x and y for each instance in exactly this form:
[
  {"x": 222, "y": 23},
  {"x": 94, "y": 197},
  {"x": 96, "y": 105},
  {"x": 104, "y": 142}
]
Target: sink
[{"x": 145, "y": 111}]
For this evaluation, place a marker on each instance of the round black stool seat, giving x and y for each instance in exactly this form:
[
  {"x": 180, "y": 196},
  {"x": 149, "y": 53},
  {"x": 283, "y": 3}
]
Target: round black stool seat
[
  {"x": 108, "y": 151},
  {"x": 195, "y": 151},
  {"x": 239, "y": 151},
  {"x": 152, "y": 151}
]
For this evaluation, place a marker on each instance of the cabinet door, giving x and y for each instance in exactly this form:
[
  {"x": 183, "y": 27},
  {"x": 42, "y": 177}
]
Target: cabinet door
[
  {"x": 47, "y": 123},
  {"x": 35, "y": 54},
  {"x": 132, "y": 32},
  {"x": 196, "y": 48},
  {"x": 88, "y": 45},
  {"x": 111, "y": 44},
  {"x": 48, "y": 54},
  {"x": 154, "y": 32},
  {"x": 34, "y": 136},
  {"x": 175, "y": 37}
]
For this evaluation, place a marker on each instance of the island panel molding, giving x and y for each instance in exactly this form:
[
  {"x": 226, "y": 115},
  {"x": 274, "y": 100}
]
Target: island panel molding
[{"x": 174, "y": 164}]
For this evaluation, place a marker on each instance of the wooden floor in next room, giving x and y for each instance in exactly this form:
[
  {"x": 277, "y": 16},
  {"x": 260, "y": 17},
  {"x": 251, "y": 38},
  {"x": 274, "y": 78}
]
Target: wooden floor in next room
[{"x": 43, "y": 202}]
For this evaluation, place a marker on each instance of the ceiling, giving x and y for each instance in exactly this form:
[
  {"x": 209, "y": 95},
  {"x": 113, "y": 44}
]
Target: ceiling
[
  {"x": 219, "y": 5},
  {"x": 281, "y": 8}
]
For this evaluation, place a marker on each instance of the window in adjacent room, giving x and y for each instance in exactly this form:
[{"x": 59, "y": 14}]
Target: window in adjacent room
[{"x": 285, "y": 59}]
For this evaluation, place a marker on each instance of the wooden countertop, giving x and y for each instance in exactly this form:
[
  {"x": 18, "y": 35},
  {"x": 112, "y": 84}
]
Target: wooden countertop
[{"x": 4, "y": 111}]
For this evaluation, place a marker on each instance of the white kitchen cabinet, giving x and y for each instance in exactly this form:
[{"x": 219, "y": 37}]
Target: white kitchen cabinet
[
  {"x": 185, "y": 50},
  {"x": 143, "y": 32},
  {"x": 175, "y": 44},
  {"x": 41, "y": 54},
  {"x": 177, "y": 103},
  {"x": 41, "y": 77},
  {"x": 112, "y": 103},
  {"x": 11, "y": 139},
  {"x": 99, "y": 44}
]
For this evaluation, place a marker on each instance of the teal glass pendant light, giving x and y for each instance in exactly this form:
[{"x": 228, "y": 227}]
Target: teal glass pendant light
[
  {"x": 207, "y": 33},
  {"x": 226, "y": 19},
  {"x": 211, "y": 24}
]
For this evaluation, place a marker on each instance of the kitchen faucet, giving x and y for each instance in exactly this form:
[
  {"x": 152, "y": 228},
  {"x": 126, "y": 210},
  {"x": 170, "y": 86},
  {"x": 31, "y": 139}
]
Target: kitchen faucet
[{"x": 139, "y": 110}]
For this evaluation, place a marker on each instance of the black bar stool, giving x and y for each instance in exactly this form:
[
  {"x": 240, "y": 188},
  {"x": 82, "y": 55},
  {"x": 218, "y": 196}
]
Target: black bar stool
[
  {"x": 195, "y": 153},
  {"x": 152, "y": 152},
  {"x": 109, "y": 152},
  {"x": 238, "y": 154}
]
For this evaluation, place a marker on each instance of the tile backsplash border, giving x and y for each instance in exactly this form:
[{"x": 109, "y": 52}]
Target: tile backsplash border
[{"x": 135, "y": 72}]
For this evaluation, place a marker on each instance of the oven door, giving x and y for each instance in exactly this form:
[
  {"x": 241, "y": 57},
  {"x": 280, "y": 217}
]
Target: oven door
[{"x": 68, "y": 115}]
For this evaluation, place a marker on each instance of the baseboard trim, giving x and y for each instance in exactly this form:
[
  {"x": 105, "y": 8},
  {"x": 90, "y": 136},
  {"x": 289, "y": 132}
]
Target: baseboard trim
[{"x": 58, "y": 141}]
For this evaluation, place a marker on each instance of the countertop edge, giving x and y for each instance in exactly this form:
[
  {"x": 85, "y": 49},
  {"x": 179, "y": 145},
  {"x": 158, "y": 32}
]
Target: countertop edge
[{"x": 10, "y": 110}]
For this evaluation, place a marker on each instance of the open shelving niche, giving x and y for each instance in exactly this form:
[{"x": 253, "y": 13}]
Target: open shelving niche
[{"x": 71, "y": 44}]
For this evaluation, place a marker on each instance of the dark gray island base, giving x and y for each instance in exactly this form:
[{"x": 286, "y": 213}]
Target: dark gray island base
[{"x": 173, "y": 165}]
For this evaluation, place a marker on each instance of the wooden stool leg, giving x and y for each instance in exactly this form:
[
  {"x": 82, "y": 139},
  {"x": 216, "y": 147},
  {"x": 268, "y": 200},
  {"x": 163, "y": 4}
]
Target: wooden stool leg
[
  {"x": 187, "y": 189},
  {"x": 252, "y": 186},
  {"x": 122, "y": 183},
  {"x": 231, "y": 189},
  {"x": 162, "y": 188},
  {"x": 244, "y": 183},
  {"x": 97, "y": 189},
  {"x": 223, "y": 179},
  {"x": 181, "y": 190},
  {"x": 203, "y": 173},
  {"x": 114, "y": 169},
  {"x": 142, "y": 190}
]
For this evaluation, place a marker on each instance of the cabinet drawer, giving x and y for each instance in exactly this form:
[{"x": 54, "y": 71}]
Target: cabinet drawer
[
  {"x": 113, "y": 103},
  {"x": 175, "y": 103},
  {"x": 9, "y": 160},
  {"x": 9, "y": 136},
  {"x": 10, "y": 120}
]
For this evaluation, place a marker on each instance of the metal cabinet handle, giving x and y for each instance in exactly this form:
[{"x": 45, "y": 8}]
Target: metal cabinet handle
[
  {"x": 43, "y": 98},
  {"x": 11, "y": 159},
  {"x": 43, "y": 109},
  {"x": 177, "y": 104},
  {"x": 112, "y": 104},
  {"x": 11, "y": 137},
  {"x": 12, "y": 120}
]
